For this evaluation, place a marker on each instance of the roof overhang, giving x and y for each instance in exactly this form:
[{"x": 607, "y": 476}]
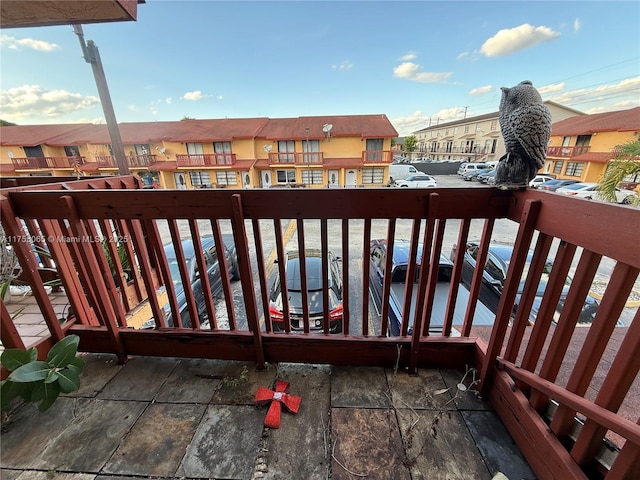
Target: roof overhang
[{"x": 37, "y": 13}]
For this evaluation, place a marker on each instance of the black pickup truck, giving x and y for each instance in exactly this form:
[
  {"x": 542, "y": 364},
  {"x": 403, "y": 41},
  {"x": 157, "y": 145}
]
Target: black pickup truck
[{"x": 401, "y": 255}]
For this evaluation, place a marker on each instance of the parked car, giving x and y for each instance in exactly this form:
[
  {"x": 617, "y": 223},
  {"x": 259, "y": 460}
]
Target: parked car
[
  {"x": 590, "y": 191},
  {"x": 553, "y": 185},
  {"x": 540, "y": 180},
  {"x": 494, "y": 276},
  {"x": 399, "y": 267},
  {"x": 483, "y": 176},
  {"x": 461, "y": 168},
  {"x": 313, "y": 263},
  {"x": 472, "y": 166},
  {"x": 401, "y": 171},
  {"x": 417, "y": 181},
  {"x": 213, "y": 271},
  {"x": 472, "y": 174}
]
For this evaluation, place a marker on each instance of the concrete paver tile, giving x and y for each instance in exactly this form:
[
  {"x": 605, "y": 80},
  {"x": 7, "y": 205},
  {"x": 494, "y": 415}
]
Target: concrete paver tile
[
  {"x": 364, "y": 387},
  {"x": 366, "y": 443},
  {"x": 98, "y": 371},
  {"x": 467, "y": 400},
  {"x": 38, "y": 475},
  {"x": 418, "y": 391},
  {"x": 499, "y": 450},
  {"x": 240, "y": 381},
  {"x": 192, "y": 381},
  {"x": 444, "y": 451},
  {"x": 225, "y": 444},
  {"x": 95, "y": 430},
  {"x": 157, "y": 442},
  {"x": 29, "y": 432},
  {"x": 300, "y": 447},
  {"x": 139, "y": 379}
]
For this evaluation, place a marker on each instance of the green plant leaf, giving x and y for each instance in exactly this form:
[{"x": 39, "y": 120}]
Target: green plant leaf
[
  {"x": 14, "y": 358},
  {"x": 52, "y": 376},
  {"x": 10, "y": 390},
  {"x": 30, "y": 372},
  {"x": 69, "y": 379},
  {"x": 46, "y": 394},
  {"x": 64, "y": 351},
  {"x": 78, "y": 363}
]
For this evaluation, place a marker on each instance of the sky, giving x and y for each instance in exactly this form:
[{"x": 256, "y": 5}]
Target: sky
[{"x": 420, "y": 62}]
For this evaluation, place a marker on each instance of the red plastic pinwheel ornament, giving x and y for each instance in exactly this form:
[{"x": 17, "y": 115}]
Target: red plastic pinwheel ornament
[{"x": 277, "y": 398}]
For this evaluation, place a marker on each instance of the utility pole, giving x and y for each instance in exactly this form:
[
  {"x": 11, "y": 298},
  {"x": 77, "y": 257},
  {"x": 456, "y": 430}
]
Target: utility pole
[{"x": 92, "y": 56}]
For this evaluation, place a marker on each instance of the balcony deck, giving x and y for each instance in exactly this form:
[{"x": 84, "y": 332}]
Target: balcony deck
[{"x": 177, "y": 418}]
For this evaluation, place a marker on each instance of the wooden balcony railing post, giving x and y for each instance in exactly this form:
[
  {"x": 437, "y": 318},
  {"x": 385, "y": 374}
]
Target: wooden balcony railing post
[
  {"x": 99, "y": 271},
  {"x": 27, "y": 260},
  {"x": 456, "y": 275},
  {"x": 246, "y": 277},
  {"x": 509, "y": 291}
]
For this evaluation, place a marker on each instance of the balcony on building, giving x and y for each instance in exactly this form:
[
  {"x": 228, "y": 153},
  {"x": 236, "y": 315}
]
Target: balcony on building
[
  {"x": 46, "y": 163},
  {"x": 134, "y": 161}
]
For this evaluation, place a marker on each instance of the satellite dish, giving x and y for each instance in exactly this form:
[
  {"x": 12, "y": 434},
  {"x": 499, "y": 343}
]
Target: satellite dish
[
  {"x": 267, "y": 148},
  {"x": 326, "y": 128}
]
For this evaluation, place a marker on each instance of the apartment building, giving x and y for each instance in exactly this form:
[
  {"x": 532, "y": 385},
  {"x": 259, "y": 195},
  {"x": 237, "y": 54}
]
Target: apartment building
[
  {"x": 581, "y": 147},
  {"x": 314, "y": 152},
  {"x": 473, "y": 139}
]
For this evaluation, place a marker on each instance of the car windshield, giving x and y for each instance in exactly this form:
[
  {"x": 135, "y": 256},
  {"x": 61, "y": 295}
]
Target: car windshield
[
  {"x": 314, "y": 274},
  {"x": 174, "y": 271}
]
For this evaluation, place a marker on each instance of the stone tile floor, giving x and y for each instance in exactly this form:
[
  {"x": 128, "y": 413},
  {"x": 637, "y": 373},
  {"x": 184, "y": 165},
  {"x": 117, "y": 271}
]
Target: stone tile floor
[{"x": 191, "y": 418}]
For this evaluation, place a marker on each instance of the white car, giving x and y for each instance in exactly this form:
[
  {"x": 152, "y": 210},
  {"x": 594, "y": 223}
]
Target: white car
[
  {"x": 417, "y": 181},
  {"x": 539, "y": 180},
  {"x": 590, "y": 191}
]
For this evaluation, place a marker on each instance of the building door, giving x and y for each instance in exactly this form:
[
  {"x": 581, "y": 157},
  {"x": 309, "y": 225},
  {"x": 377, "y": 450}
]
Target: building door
[
  {"x": 266, "y": 178},
  {"x": 181, "y": 183},
  {"x": 334, "y": 178},
  {"x": 352, "y": 178},
  {"x": 246, "y": 179}
]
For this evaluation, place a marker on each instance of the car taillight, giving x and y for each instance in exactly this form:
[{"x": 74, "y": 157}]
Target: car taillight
[
  {"x": 336, "y": 313},
  {"x": 275, "y": 314}
]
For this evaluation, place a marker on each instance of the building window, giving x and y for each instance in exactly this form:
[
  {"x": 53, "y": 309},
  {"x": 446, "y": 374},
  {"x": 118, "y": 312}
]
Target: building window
[
  {"x": 226, "y": 178},
  {"x": 374, "y": 150},
  {"x": 194, "y": 148},
  {"x": 557, "y": 167},
  {"x": 311, "y": 148},
  {"x": 200, "y": 179},
  {"x": 223, "y": 153},
  {"x": 466, "y": 129},
  {"x": 312, "y": 177},
  {"x": 286, "y": 176},
  {"x": 494, "y": 125},
  {"x": 574, "y": 169},
  {"x": 372, "y": 175},
  {"x": 286, "y": 149}
]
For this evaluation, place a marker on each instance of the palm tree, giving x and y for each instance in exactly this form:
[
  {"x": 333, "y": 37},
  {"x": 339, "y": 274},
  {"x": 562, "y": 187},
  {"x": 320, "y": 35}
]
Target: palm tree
[{"x": 625, "y": 163}]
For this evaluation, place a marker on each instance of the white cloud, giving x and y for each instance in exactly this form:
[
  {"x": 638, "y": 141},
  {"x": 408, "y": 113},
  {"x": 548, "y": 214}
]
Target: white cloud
[
  {"x": 345, "y": 65},
  {"x": 603, "y": 94},
  {"x": 168, "y": 101},
  {"x": 512, "y": 40},
  {"x": 412, "y": 71},
  {"x": 419, "y": 120},
  {"x": 576, "y": 25},
  {"x": 33, "y": 101},
  {"x": 16, "y": 43},
  {"x": 408, "y": 57},
  {"x": 195, "y": 95},
  {"x": 481, "y": 90},
  {"x": 553, "y": 87},
  {"x": 219, "y": 97}
]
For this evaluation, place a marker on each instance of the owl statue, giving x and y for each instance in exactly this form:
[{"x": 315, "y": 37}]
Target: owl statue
[{"x": 525, "y": 122}]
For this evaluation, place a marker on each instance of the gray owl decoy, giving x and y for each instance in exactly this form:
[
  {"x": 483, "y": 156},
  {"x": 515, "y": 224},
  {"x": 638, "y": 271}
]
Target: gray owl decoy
[{"x": 525, "y": 122}]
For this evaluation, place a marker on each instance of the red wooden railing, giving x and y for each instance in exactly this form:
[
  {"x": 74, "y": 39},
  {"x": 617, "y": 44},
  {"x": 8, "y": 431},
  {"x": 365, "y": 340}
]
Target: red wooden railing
[
  {"x": 377, "y": 156},
  {"x": 526, "y": 371},
  {"x": 40, "y": 163},
  {"x": 108, "y": 161},
  {"x": 567, "y": 152}
]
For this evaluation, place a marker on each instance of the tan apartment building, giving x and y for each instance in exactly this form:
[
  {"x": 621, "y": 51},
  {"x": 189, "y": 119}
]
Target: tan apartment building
[
  {"x": 473, "y": 139},
  {"x": 581, "y": 147},
  {"x": 314, "y": 152}
]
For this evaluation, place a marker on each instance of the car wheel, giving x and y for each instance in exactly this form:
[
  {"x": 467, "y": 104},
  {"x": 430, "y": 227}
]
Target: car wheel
[
  {"x": 404, "y": 186},
  {"x": 626, "y": 200}
]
